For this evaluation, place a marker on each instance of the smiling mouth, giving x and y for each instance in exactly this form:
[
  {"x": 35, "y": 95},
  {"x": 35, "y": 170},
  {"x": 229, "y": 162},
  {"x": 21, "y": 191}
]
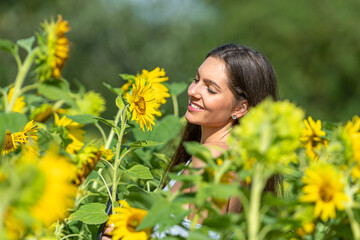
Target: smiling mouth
[{"x": 195, "y": 106}]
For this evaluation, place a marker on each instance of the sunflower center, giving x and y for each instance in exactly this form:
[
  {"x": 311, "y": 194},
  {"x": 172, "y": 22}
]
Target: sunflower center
[
  {"x": 141, "y": 105},
  {"x": 8, "y": 142},
  {"x": 132, "y": 223},
  {"x": 326, "y": 193}
]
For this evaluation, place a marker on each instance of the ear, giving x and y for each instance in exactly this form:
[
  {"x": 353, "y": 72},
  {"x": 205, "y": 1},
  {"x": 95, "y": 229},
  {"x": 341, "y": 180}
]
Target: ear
[{"x": 241, "y": 109}]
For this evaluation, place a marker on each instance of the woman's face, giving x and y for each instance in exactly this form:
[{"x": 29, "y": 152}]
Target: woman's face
[{"x": 211, "y": 102}]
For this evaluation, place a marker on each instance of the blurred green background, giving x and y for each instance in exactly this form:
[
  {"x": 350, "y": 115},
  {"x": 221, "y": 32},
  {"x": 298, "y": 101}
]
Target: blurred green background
[{"x": 313, "y": 45}]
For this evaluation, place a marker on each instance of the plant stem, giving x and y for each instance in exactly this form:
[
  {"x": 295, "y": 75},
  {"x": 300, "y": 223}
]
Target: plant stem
[
  {"x": 195, "y": 220},
  {"x": 175, "y": 104},
  {"x": 101, "y": 131},
  {"x": 28, "y": 88},
  {"x": 117, "y": 156},
  {"x": 111, "y": 134},
  {"x": 20, "y": 77},
  {"x": 355, "y": 227},
  {"x": 108, "y": 141},
  {"x": 255, "y": 199}
]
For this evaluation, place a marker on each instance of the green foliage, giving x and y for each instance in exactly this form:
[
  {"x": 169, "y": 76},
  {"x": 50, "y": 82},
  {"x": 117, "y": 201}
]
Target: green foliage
[
  {"x": 140, "y": 171},
  {"x": 92, "y": 213},
  {"x": 311, "y": 72},
  {"x": 26, "y": 43},
  {"x": 13, "y": 121},
  {"x": 8, "y": 46}
]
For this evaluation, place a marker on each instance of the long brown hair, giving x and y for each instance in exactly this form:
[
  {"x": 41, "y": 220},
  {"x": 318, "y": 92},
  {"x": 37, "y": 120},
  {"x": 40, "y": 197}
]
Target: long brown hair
[{"x": 251, "y": 77}]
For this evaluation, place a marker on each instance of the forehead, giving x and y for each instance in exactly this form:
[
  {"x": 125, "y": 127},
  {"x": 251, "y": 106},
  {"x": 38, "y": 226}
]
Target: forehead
[{"x": 214, "y": 69}]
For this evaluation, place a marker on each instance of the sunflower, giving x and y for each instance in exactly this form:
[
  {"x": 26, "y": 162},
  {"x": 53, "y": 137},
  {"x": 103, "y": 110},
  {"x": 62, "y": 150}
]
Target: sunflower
[
  {"x": 324, "y": 187},
  {"x": 73, "y": 132},
  {"x": 156, "y": 77},
  {"x": 312, "y": 137},
  {"x": 12, "y": 139},
  {"x": 305, "y": 229},
  {"x": 14, "y": 227},
  {"x": 58, "y": 195},
  {"x": 126, "y": 219},
  {"x": 143, "y": 103},
  {"x": 91, "y": 103},
  {"x": 108, "y": 154},
  {"x": 19, "y": 103},
  {"x": 54, "y": 49},
  {"x": 86, "y": 161},
  {"x": 352, "y": 129}
]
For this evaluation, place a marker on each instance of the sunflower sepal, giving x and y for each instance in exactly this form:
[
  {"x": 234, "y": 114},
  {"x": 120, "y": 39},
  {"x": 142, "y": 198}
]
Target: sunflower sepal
[
  {"x": 144, "y": 143},
  {"x": 117, "y": 91},
  {"x": 10, "y": 47},
  {"x": 26, "y": 43},
  {"x": 127, "y": 77},
  {"x": 120, "y": 103}
]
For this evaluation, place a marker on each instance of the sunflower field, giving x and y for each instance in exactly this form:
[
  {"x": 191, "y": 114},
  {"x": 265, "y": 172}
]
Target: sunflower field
[{"x": 58, "y": 180}]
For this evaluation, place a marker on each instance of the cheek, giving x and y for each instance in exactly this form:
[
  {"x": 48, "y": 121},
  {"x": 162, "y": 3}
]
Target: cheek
[{"x": 221, "y": 105}]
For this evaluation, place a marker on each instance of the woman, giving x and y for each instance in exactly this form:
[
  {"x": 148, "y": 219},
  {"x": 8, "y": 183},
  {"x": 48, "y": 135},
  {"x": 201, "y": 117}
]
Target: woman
[{"x": 230, "y": 80}]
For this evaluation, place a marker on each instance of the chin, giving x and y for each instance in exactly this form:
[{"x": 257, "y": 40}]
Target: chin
[{"x": 189, "y": 118}]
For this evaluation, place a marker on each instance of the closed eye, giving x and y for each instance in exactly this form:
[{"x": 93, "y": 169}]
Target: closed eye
[{"x": 211, "y": 91}]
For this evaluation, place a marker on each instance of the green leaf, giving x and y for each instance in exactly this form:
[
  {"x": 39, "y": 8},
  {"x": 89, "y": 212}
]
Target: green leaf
[
  {"x": 110, "y": 123},
  {"x": 127, "y": 76},
  {"x": 119, "y": 103},
  {"x": 2, "y": 137},
  {"x": 198, "y": 235},
  {"x": 14, "y": 121},
  {"x": 140, "y": 171},
  {"x": 164, "y": 213},
  {"x": 176, "y": 88},
  {"x": 142, "y": 144},
  {"x": 117, "y": 91},
  {"x": 83, "y": 118},
  {"x": 162, "y": 157},
  {"x": 55, "y": 93},
  {"x": 26, "y": 43},
  {"x": 197, "y": 150},
  {"x": 163, "y": 131},
  {"x": 9, "y": 46},
  {"x": 138, "y": 198},
  {"x": 92, "y": 213}
]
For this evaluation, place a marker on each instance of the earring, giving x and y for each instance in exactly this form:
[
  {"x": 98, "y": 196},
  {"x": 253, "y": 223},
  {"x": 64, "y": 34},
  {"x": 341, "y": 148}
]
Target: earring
[{"x": 233, "y": 117}]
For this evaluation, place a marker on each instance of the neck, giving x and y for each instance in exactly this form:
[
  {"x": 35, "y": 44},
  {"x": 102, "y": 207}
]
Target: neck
[{"x": 215, "y": 134}]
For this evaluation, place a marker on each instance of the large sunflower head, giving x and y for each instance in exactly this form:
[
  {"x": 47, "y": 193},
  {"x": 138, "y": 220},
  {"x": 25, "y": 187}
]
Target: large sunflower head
[
  {"x": 59, "y": 192},
  {"x": 54, "y": 49},
  {"x": 156, "y": 77},
  {"x": 268, "y": 133},
  {"x": 325, "y": 188},
  {"x": 126, "y": 219},
  {"x": 143, "y": 103},
  {"x": 72, "y": 132},
  {"x": 313, "y": 138}
]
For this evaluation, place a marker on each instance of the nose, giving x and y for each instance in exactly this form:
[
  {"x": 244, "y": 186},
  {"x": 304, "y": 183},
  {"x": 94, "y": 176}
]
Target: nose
[{"x": 194, "y": 90}]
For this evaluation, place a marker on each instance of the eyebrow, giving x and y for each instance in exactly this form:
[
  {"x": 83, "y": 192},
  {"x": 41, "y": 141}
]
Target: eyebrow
[{"x": 208, "y": 80}]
